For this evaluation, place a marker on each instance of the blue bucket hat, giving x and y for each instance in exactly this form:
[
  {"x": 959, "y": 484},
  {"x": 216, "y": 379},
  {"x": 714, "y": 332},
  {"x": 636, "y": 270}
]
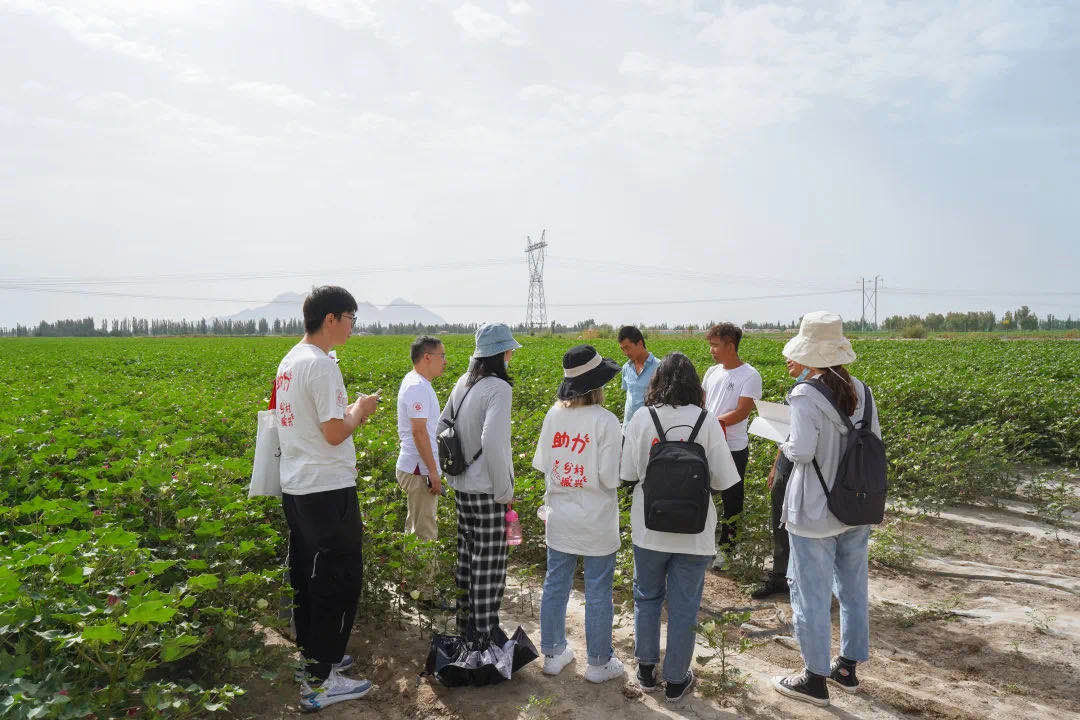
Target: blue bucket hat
[{"x": 493, "y": 339}]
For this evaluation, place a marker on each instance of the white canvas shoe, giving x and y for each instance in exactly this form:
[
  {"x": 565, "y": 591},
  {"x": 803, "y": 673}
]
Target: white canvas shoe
[
  {"x": 602, "y": 673},
  {"x": 554, "y": 665}
]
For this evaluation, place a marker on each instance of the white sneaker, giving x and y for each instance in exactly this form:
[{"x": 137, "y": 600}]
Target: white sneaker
[
  {"x": 602, "y": 673},
  {"x": 342, "y": 665},
  {"x": 334, "y": 689},
  {"x": 554, "y": 665}
]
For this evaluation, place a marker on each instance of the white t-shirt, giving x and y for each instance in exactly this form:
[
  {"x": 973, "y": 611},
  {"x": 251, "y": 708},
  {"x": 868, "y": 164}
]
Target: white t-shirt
[
  {"x": 310, "y": 391},
  {"x": 578, "y": 452},
  {"x": 678, "y": 423},
  {"x": 723, "y": 388},
  {"x": 416, "y": 399}
]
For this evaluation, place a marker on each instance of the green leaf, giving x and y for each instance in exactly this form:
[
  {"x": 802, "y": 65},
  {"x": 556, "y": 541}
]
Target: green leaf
[
  {"x": 9, "y": 585},
  {"x": 210, "y": 528},
  {"x": 148, "y": 611},
  {"x": 159, "y": 566},
  {"x": 119, "y": 538},
  {"x": 73, "y": 574},
  {"x": 206, "y": 581},
  {"x": 178, "y": 647},
  {"x": 102, "y": 633}
]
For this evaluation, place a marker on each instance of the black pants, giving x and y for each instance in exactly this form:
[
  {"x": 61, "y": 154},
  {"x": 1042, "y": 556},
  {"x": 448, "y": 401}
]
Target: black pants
[
  {"x": 326, "y": 569},
  {"x": 781, "y": 548},
  {"x": 733, "y": 501}
]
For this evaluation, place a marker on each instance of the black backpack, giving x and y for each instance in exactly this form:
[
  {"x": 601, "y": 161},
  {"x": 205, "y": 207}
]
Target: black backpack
[
  {"x": 858, "y": 492},
  {"x": 676, "y": 487},
  {"x": 451, "y": 455}
]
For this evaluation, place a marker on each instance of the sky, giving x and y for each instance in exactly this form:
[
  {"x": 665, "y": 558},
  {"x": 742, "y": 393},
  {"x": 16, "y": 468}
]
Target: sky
[{"x": 687, "y": 161}]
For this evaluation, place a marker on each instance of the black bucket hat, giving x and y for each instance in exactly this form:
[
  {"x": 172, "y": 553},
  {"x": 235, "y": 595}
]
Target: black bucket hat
[{"x": 584, "y": 370}]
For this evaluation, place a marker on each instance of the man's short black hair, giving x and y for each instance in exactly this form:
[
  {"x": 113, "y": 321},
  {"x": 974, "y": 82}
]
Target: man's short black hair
[
  {"x": 421, "y": 345},
  {"x": 726, "y": 331},
  {"x": 326, "y": 300},
  {"x": 631, "y": 333}
]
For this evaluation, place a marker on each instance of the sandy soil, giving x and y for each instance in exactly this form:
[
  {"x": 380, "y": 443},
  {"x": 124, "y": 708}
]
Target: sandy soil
[{"x": 985, "y": 626}]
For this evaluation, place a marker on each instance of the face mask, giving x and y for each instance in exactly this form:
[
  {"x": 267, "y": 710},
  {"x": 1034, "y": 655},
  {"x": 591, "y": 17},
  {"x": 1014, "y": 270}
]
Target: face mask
[{"x": 802, "y": 375}]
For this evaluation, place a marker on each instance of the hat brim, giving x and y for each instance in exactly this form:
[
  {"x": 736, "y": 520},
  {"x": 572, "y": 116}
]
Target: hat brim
[
  {"x": 819, "y": 354},
  {"x": 496, "y": 349},
  {"x": 598, "y": 377}
]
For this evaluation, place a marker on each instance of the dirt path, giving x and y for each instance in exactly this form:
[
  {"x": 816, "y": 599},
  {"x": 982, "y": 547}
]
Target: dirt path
[{"x": 986, "y": 626}]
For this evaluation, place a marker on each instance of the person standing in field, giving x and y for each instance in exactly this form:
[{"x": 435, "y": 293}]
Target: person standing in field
[
  {"x": 671, "y": 565},
  {"x": 731, "y": 386},
  {"x": 776, "y": 580},
  {"x": 418, "y": 472},
  {"x": 578, "y": 452},
  {"x": 827, "y": 556},
  {"x": 318, "y": 484},
  {"x": 636, "y": 371},
  {"x": 479, "y": 408}
]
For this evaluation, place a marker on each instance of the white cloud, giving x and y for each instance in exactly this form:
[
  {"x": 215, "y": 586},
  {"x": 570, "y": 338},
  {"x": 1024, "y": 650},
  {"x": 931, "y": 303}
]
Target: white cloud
[
  {"x": 478, "y": 24},
  {"x": 519, "y": 7},
  {"x": 275, "y": 94},
  {"x": 350, "y": 14}
]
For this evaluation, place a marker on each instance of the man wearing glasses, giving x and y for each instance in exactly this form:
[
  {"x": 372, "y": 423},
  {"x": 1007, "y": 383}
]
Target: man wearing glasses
[
  {"x": 417, "y": 418},
  {"x": 318, "y": 484}
]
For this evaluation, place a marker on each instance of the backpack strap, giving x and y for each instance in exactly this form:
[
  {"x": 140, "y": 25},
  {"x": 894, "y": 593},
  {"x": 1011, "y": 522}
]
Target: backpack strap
[
  {"x": 453, "y": 412},
  {"x": 656, "y": 422},
  {"x": 824, "y": 487},
  {"x": 868, "y": 408},
  {"x": 825, "y": 390},
  {"x": 697, "y": 426}
]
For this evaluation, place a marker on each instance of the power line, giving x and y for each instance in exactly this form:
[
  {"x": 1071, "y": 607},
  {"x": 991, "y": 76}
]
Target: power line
[
  {"x": 597, "y": 303},
  {"x": 261, "y": 275}
]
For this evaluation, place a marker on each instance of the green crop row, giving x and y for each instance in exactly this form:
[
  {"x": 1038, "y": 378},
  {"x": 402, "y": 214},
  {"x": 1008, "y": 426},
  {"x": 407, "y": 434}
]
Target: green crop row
[{"x": 134, "y": 571}]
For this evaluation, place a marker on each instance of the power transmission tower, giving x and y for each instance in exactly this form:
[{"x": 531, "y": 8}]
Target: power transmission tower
[
  {"x": 869, "y": 299},
  {"x": 536, "y": 313}
]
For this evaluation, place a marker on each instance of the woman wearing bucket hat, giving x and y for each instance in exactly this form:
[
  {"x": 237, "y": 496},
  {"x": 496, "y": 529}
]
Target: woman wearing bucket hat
[
  {"x": 826, "y": 556},
  {"x": 479, "y": 409},
  {"x": 578, "y": 452}
]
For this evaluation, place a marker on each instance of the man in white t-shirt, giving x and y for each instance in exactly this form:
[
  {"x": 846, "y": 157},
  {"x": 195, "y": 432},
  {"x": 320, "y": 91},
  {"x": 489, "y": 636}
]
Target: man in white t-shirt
[
  {"x": 417, "y": 418},
  {"x": 318, "y": 483},
  {"x": 731, "y": 386}
]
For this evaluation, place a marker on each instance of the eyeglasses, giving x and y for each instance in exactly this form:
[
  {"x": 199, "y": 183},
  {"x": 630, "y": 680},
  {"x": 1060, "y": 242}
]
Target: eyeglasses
[
  {"x": 351, "y": 316},
  {"x": 442, "y": 354}
]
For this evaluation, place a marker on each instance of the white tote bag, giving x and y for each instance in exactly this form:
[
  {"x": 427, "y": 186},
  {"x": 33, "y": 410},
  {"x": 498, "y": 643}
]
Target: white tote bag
[{"x": 266, "y": 471}]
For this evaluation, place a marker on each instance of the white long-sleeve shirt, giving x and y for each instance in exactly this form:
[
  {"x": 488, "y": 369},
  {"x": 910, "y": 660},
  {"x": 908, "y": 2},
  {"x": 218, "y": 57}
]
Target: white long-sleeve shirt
[{"x": 816, "y": 431}]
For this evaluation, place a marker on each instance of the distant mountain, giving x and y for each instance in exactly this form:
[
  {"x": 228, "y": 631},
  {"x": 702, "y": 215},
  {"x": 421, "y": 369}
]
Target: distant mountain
[
  {"x": 401, "y": 311},
  {"x": 290, "y": 305}
]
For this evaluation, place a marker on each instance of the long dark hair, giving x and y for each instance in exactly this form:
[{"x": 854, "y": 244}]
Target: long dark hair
[
  {"x": 675, "y": 383},
  {"x": 839, "y": 381},
  {"x": 492, "y": 365}
]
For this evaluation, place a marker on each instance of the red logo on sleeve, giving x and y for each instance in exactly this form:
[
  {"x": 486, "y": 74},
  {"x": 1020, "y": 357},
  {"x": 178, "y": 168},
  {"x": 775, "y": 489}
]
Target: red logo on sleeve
[{"x": 418, "y": 407}]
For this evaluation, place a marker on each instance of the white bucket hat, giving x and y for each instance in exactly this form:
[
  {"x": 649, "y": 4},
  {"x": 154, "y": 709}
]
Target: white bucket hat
[{"x": 820, "y": 342}]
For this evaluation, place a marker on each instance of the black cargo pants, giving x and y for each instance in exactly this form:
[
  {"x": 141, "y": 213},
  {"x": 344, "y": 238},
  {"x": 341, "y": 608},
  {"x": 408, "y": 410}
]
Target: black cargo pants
[{"x": 326, "y": 569}]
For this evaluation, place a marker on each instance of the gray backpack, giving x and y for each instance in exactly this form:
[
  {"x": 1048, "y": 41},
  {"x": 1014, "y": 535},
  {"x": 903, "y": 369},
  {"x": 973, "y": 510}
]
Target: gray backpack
[{"x": 858, "y": 491}]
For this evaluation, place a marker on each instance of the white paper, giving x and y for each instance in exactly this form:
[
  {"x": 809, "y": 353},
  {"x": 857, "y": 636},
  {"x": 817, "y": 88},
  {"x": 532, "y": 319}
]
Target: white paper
[{"x": 773, "y": 421}]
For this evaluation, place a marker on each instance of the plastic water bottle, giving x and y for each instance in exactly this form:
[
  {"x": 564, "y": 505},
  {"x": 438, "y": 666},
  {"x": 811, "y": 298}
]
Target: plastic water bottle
[{"x": 513, "y": 528}]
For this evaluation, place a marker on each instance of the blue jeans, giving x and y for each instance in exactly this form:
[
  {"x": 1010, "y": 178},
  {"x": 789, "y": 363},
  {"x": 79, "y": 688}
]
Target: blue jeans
[
  {"x": 818, "y": 568},
  {"x": 680, "y": 578},
  {"x": 599, "y": 607}
]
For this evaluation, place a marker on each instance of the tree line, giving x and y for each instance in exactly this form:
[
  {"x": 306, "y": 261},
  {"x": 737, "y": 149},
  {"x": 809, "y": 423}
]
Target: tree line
[
  {"x": 974, "y": 321},
  {"x": 981, "y": 321}
]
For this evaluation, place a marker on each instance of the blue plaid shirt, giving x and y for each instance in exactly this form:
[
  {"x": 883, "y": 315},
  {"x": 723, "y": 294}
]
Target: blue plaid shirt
[{"x": 635, "y": 384}]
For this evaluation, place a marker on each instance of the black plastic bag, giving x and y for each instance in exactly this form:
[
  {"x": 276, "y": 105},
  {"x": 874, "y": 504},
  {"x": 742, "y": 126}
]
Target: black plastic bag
[{"x": 455, "y": 661}]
